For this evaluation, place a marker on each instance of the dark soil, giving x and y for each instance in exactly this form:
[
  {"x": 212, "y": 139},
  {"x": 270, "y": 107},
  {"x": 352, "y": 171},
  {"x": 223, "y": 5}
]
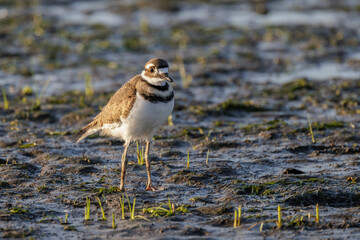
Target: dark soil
[{"x": 256, "y": 74}]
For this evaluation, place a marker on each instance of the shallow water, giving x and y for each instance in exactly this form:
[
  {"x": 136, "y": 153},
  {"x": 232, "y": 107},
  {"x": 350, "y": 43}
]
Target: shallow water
[{"x": 260, "y": 71}]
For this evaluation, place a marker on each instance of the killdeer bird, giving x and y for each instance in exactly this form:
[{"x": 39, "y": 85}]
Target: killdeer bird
[{"x": 136, "y": 111}]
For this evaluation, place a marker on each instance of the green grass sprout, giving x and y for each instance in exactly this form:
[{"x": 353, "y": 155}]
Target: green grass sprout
[
  {"x": 28, "y": 145},
  {"x": 132, "y": 210},
  {"x": 87, "y": 209},
  {"x": 102, "y": 209},
  {"x": 6, "y": 102},
  {"x": 162, "y": 211},
  {"x": 317, "y": 213},
  {"x": 170, "y": 121},
  {"x": 140, "y": 154},
  {"x": 122, "y": 203},
  {"x": 310, "y": 128},
  {"x": 186, "y": 79},
  {"x": 188, "y": 159},
  {"x": 206, "y": 136},
  {"x": 237, "y": 217},
  {"x": 113, "y": 221},
  {"x": 39, "y": 96},
  {"x": 279, "y": 221},
  {"x": 171, "y": 206},
  {"x": 59, "y": 218},
  {"x": 89, "y": 89}
]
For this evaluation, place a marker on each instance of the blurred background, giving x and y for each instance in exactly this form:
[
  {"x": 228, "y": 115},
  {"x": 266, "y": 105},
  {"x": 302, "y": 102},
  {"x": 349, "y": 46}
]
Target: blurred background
[{"x": 56, "y": 43}]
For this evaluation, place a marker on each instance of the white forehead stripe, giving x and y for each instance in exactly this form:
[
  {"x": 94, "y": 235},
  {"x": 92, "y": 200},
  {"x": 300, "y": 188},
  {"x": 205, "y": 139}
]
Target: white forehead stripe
[
  {"x": 163, "y": 70},
  {"x": 149, "y": 65}
]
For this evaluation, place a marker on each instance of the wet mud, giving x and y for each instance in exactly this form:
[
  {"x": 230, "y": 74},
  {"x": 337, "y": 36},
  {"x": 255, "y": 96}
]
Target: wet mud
[{"x": 251, "y": 77}]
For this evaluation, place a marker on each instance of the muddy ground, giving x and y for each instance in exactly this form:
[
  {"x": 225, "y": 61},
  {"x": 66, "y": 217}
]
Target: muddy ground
[{"x": 250, "y": 75}]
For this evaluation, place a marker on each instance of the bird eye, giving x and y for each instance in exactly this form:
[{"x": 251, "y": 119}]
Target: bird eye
[{"x": 152, "y": 70}]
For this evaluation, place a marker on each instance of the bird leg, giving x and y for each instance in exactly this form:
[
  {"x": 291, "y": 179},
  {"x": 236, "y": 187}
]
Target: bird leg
[
  {"x": 147, "y": 161},
  {"x": 123, "y": 166}
]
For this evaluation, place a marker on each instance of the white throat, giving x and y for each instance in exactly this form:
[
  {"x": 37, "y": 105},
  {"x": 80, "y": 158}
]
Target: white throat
[{"x": 153, "y": 80}]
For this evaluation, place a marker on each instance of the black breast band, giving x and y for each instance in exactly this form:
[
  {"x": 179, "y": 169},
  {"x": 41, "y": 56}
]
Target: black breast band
[{"x": 156, "y": 98}]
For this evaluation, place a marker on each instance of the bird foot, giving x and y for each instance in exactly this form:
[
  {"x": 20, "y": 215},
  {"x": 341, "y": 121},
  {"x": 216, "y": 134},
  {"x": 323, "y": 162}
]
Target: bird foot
[{"x": 150, "y": 188}]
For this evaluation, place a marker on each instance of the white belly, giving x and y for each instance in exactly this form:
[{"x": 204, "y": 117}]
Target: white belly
[{"x": 144, "y": 119}]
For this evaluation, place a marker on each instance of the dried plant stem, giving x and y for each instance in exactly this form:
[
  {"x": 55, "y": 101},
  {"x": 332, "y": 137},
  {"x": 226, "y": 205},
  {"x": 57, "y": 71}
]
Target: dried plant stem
[{"x": 207, "y": 157}]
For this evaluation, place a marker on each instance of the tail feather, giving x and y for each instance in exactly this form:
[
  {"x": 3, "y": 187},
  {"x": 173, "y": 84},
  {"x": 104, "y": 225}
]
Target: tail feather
[{"x": 89, "y": 129}]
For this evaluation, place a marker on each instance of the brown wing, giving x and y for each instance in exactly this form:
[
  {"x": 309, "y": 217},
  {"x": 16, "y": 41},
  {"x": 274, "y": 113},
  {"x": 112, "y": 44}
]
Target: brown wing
[{"x": 119, "y": 106}]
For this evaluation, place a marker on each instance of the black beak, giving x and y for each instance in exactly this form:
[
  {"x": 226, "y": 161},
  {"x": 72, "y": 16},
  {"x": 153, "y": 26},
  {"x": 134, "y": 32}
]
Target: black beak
[{"x": 168, "y": 78}]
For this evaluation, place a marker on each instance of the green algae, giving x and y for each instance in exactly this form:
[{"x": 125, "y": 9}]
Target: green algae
[{"x": 266, "y": 126}]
